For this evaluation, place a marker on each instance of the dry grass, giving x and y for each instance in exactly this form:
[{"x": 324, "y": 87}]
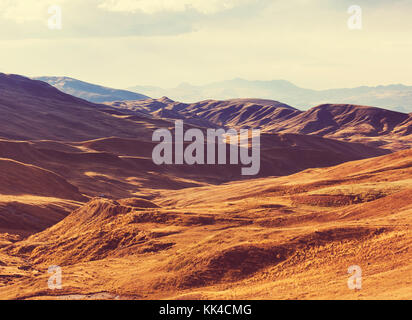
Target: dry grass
[{"x": 244, "y": 240}]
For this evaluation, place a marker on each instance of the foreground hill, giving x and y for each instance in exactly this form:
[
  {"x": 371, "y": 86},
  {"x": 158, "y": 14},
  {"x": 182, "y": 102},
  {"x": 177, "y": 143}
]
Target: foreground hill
[
  {"x": 291, "y": 237},
  {"x": 89, "y": 91},
  {"x": 32, "y": 199},
  {"x": 22, "y": 179},
  {"x": 120, "y": 167}
]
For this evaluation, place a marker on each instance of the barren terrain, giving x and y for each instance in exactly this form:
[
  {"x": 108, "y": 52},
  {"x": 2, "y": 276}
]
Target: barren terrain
[{"x": 80, "y": 191}]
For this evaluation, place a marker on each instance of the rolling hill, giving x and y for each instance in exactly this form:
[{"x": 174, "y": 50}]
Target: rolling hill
[
  {"x": 369, "y": 125},
  {"x": 99, "y": 149},
  {"x": 32, "y": 109},
  {"x": 80, "y": 190},
  {"x": 291, "y": 237}
]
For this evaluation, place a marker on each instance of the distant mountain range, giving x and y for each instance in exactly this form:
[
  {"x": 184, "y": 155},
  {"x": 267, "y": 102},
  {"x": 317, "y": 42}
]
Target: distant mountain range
[
  {"x": 89, "y": 91},
  {"x": 372, "y": 126},
  {"x": 396, "y": 97}
]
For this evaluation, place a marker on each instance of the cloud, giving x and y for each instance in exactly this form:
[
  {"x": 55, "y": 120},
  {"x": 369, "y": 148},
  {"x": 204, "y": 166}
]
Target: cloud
[
  {"x": 155, "y": 6},
  {"x": 304, "y": 41},
  {"x": 22, "y": 11},
  {"x": 28, "y": 19}
]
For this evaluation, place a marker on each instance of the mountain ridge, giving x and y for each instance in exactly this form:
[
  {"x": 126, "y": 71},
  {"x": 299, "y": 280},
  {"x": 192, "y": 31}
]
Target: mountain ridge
[
  {"x": 90, "y": 92},
  {"x": 33, "y": 109},
  {"x": 354, "y": 123},
  {"x": 397, "y": 97}
]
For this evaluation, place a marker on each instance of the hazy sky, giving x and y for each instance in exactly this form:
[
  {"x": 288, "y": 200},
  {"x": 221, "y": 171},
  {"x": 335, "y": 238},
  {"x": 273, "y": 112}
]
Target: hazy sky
[{"x": 121, "y": 43}]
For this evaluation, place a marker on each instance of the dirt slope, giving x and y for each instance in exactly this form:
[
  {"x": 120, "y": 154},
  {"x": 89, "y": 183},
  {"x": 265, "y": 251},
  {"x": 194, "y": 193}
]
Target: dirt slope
[
  {"x": 291, "y": 237},
  {"x": 32, "y": 199},
  {"x": 23, "y": 179}
]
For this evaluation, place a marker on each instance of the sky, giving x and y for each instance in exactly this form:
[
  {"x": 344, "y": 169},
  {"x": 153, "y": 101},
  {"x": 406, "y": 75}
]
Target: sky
[{"x": 123, "y": 43}]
